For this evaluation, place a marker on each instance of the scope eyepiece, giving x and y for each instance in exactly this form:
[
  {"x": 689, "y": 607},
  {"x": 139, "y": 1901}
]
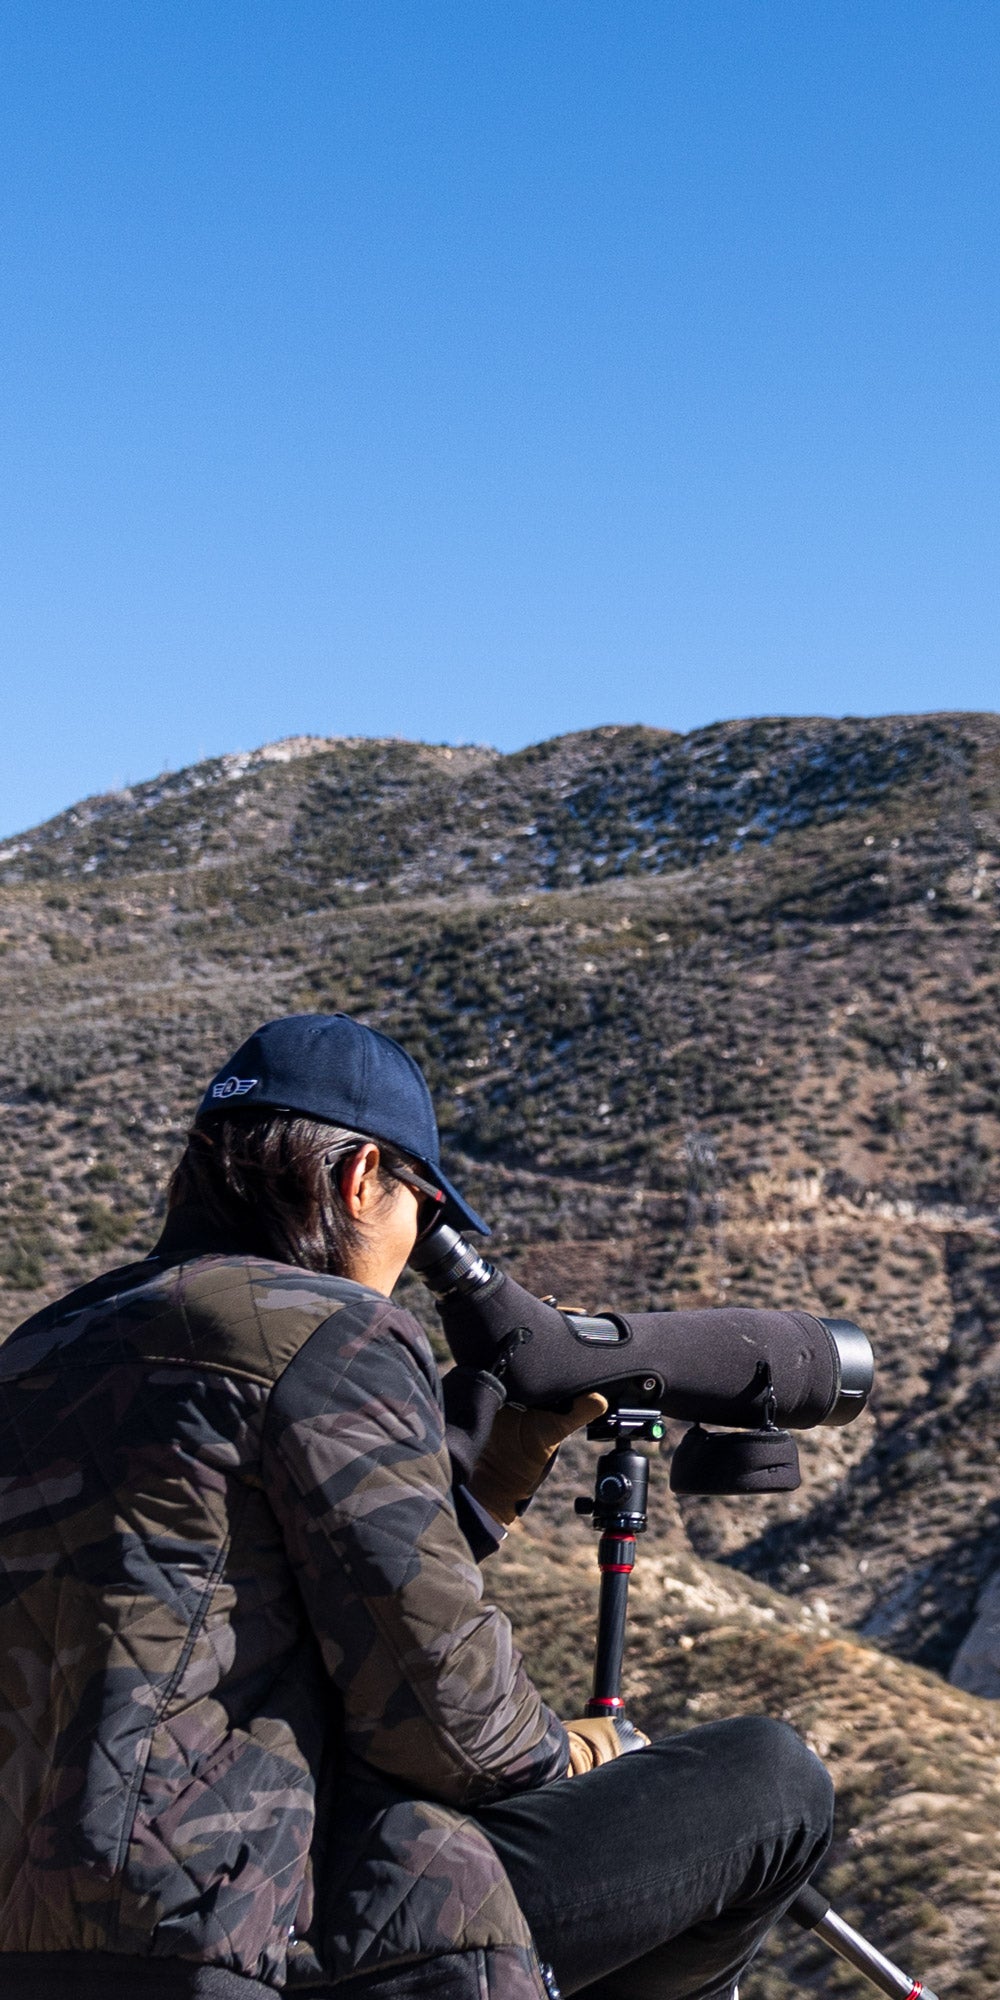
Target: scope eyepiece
[{"x": 447, "y": 1263}]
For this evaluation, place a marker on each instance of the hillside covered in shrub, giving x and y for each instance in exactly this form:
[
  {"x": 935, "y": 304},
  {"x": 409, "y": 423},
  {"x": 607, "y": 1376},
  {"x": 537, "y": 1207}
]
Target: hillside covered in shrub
[{"x": 707, "y": 1018}]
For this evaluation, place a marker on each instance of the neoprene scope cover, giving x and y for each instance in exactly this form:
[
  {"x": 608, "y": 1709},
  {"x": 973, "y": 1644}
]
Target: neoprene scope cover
[{"x": 705, "y": 1365}]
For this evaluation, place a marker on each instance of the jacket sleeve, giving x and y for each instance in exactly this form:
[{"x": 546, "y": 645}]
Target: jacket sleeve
[{"x": 435, "y": 1693}]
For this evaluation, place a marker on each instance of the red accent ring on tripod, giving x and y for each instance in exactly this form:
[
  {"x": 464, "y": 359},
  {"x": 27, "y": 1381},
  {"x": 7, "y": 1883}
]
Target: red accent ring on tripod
[
  {"x": 615, "y": 1701},
  {"x": 915, "y": 1990},
  {"x": 621, "y": 1547}
]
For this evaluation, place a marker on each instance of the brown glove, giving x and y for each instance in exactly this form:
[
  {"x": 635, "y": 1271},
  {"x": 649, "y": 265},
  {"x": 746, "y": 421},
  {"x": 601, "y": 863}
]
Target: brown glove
[
  {"x": 594, "y": 1740},
  {"x": 519, "y": 1451}
]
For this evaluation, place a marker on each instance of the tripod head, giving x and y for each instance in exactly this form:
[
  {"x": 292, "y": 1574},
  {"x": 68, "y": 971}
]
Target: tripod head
[{"x": 621, "y": 1482}]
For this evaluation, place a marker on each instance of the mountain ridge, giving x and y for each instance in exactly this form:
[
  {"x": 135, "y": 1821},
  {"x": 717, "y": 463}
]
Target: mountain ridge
[{"x": 645, "y": 810}]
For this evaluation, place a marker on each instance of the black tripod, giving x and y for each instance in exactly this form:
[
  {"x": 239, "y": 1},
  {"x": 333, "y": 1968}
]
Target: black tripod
[{"x": 618, "y": 1511}]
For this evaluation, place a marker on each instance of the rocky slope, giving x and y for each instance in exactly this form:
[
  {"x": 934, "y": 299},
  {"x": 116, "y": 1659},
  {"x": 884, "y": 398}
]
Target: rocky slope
[{"x": 708, "y": 1018}]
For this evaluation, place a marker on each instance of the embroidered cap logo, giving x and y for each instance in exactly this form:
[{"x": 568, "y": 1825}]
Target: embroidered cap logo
[{"x": 234, "y": 1086}]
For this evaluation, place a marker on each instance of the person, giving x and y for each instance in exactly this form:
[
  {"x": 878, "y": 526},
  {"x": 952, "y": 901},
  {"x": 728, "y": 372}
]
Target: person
[{"x": 260, "y": 1733}]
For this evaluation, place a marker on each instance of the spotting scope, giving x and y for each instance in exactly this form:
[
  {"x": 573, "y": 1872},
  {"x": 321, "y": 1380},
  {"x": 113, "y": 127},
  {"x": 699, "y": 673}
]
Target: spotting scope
[{"x": 734, "y": 1366}]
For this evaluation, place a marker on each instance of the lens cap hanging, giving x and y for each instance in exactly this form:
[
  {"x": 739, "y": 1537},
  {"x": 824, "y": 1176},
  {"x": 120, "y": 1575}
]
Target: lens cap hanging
[{"x": 764, "y": 1461}]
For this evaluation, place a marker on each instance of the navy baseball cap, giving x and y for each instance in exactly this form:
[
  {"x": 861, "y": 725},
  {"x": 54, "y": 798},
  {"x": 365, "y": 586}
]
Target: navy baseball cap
[{"x": 332, "y": 1067}]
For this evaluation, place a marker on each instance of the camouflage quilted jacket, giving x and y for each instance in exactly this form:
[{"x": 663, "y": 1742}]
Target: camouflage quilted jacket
[{"x": 247, "y": 1680}]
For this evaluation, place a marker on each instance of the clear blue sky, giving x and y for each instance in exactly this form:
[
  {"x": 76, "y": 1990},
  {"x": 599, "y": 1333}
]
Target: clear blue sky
[{"x": 481, "y": 369}]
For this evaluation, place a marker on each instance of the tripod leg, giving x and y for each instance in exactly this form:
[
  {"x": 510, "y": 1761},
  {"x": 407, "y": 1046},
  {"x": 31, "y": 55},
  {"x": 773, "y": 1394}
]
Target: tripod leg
[
  {"x": 616, "y": 1556},
  {"x": 813, "y": 1912}
]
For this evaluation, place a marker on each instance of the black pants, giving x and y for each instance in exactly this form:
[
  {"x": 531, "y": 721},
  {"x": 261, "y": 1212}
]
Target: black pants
[{"x": 658, "y": 1875}]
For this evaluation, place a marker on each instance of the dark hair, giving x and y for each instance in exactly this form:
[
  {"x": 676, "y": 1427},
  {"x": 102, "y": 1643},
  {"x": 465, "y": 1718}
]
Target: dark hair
[{"x": 262, "y": 1181}]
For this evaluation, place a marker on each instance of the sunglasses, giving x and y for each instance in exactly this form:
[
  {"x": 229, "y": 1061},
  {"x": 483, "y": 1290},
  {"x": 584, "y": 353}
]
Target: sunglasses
[
  {"x": 426, "y": 1188},
  {"x": 430, "y": 1193}
]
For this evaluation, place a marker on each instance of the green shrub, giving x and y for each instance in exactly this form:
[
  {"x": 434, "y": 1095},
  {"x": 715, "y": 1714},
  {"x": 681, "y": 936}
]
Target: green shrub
[
  {"x": 101, "y": 1226},
  {"x": 22, "y": 1261}
]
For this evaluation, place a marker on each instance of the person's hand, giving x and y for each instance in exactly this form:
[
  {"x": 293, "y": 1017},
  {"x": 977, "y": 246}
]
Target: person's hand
[
  {"x": 519, "y": 1451},
  {"x": 594, "y": 1740}
]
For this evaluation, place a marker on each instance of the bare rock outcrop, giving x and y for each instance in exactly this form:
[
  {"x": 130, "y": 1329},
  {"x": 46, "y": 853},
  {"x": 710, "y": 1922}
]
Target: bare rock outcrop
[{"x": 976, "y": 1666}]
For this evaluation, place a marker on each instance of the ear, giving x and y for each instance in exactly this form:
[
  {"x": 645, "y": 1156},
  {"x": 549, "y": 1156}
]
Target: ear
[{"x": 359, "y": 1184}]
